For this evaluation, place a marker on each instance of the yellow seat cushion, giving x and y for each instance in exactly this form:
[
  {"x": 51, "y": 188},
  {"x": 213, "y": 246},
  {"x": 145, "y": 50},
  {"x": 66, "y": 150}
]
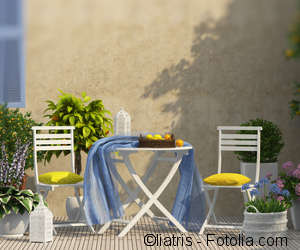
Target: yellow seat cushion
[
  {"x": 60, "y": 177},
  {"x": 227, "y": 179}
]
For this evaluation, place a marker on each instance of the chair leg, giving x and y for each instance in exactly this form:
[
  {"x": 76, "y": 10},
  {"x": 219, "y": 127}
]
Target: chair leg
[
  {"x": 209, "y": 204},
  {"x": 210, "y": 212},
  {"x": 104, "y": 227}
]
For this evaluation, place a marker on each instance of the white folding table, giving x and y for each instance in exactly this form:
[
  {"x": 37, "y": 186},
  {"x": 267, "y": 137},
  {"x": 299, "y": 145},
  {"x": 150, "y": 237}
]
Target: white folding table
[{"x": 177, "y": 154}]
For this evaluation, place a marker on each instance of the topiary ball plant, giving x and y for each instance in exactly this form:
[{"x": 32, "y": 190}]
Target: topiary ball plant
[{"x": 271, "y": 142}]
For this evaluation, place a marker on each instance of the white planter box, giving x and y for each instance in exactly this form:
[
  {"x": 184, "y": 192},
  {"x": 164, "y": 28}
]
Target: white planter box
[
  {"x": 266, "y": 225},
  {"x": 248, "y": 169}
]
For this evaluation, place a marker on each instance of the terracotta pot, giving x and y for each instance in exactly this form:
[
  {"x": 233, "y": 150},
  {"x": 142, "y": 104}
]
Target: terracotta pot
[{"x": 24, "y": 181}]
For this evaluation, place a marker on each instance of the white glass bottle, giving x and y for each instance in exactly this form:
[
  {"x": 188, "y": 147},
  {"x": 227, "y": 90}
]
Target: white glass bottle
[{"x": 122, "y": 123}]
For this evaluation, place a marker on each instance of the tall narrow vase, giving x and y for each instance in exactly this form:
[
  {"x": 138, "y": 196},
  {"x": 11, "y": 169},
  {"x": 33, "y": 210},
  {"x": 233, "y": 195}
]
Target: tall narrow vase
[{"x": 295, "y": 214}]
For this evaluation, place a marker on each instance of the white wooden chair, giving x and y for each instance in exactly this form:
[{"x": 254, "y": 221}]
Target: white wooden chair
[
  {"x": 56, "y": 139},
  {"x": 231, "y": 142}
]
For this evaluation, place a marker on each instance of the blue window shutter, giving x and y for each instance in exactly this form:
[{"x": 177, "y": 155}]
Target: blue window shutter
[{"x": 12, "y": 73}]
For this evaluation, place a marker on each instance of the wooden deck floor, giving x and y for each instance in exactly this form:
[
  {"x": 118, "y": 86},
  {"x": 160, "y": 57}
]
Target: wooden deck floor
[{"x": 82, "y": 238}]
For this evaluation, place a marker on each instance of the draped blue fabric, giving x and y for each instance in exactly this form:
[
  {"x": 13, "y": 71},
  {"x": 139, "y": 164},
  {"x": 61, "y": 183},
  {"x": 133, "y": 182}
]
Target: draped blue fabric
[{"x": 101, "y": 199}]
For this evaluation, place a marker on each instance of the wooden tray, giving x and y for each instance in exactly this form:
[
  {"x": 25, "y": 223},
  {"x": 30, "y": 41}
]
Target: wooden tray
[{"x": 149, "y": 143}]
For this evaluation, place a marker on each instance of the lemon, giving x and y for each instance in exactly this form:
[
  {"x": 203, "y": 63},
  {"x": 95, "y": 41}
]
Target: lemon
[
  {"x": 179, "y": 143},
  {"x": 168, "y": 137},
  {"x": 157, "y": 137},
  {"x": 149, "y": 137}
]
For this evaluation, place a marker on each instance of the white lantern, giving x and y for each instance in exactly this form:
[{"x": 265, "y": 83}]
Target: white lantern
[
  {"x": 122, "y": 123},
  {"x": 41, "y": 223}
]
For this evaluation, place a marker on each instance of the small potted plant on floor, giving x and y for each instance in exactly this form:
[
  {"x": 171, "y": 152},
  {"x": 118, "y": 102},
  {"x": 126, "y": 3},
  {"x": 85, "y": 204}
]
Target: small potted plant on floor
[
  {"x": 15, "y": 204},
  {"x": 289, "y": 178},
  {"x": 271, "y": 145},
  {"x": 266, "y": 211}
]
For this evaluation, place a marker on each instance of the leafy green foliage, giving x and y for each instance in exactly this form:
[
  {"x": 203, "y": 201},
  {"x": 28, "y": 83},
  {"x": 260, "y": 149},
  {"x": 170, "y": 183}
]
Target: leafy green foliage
[
  {"x": 16, "y": 125},
  {"x": 90, "y": 120},
  {"x": 271, "y": 205},
  {"x": 295, "y": 103},
  {"x": 294, "y": 53},
  {"x": 18, "y": 201},
  {"x": 271, "y": 142}
]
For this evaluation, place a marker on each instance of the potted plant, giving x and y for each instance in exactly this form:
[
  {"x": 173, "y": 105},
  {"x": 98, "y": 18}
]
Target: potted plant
[
  {"x": 15, "y": 207},
  {"x": 91, "y": 122},
  {"x": 271, "y": 145},
  {"x": 89, "y": 119},
  {"x": 289, "y": 178},
  {"x": 266, "y": 211},
  {"x": 14, "y": 126},
  {"x": 15, "y": 204}
]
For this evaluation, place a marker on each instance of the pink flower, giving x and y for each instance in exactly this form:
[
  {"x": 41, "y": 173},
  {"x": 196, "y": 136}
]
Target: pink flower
[
  {"x": 288, "y": 167},
  {"x": 280, "y": 183},
  {"x": 280, "y": 198},
  {"x": 269, "y": 175},
  {"x": 296, "y": 173},
  {"x": 297, "y": 189}
]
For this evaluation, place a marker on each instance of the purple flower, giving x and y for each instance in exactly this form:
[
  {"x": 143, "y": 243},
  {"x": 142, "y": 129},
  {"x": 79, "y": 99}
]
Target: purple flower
[
  {"x": 274, "y": 188},
  {"x": 296, "y": 173},
  {"x": 288, "y": 167},
  {"x": 285, "y": 193},
  {"x": 245, "y": 186},
  {"x": 268, "y": 176},
  {"x": 253, "y": 192},
  {"x": 297, "y": 189},
  {"x": 280, "y": 183},
  {"x": 280, "y": 198}
]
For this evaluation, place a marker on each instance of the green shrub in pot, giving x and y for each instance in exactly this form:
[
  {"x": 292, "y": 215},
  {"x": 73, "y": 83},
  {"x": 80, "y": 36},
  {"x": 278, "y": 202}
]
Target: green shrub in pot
[{"x": 271, "y": 142}]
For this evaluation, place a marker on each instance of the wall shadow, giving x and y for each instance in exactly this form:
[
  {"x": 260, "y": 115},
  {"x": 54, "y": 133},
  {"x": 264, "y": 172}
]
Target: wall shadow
[{"x": 237, "y": 72}]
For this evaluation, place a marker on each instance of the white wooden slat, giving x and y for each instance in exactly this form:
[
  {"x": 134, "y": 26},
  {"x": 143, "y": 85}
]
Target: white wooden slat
[
  {"x": 45, "y": 136},
  {"x": 238, "y": 136},
  {"x": 52, "y": 127},
  {"x": 233, "y": 148},
  {"x": 41, "y": 148},
  {"x": 49, "y": 142},
  {"x": 238, "y": 128},
  {"x": 238, "y": 142}
]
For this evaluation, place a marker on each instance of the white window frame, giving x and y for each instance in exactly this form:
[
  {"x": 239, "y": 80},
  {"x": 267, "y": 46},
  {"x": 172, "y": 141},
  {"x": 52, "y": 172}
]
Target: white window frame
[{"x": 16, "y": 33}]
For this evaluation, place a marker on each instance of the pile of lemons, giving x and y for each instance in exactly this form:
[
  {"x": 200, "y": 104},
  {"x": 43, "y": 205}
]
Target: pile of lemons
[{"x": 178, "y": 142}]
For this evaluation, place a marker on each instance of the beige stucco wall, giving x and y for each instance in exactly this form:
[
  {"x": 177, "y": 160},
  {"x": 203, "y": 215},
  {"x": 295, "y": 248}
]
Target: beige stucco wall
[{"x": 180, "y": 66}]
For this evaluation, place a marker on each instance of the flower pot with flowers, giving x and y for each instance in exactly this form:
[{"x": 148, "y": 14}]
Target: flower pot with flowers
[
  {"x": 289, "y": 178},
  {"x": 266, "y": 211},
  {"x": 15, "y": 204}
]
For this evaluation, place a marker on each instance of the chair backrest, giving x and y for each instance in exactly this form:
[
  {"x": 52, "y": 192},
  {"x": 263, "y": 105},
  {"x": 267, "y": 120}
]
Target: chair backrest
[
  {"x": 239, "y": 142},
  {"x": 55, "y": 138}
]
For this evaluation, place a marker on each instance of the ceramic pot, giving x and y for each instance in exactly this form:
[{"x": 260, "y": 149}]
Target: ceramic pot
[
  {"x": 14, "y": 225},
  {"x": 266, "y": 225},
  {"x": 295, "y": 215}
]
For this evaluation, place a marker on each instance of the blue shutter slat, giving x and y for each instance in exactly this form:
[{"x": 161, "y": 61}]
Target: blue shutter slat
[{"x": 12, "y": 68}]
